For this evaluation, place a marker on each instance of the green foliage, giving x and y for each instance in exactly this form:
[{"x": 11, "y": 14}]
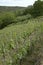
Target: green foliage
[
  {"x": 35, "y": 10},
  {"x": 23, "y": 18},
  {"x": 6, "y": 19},
  {"x": 38, "y": 8},
  {"x": 15, "y": 42},
  {"x": 27, "y": 10},
  {"x": 18, "y": 41}
]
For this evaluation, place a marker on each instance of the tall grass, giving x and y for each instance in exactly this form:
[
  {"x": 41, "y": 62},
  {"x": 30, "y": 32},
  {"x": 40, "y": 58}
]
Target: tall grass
[{"x": 14, "y": 42}]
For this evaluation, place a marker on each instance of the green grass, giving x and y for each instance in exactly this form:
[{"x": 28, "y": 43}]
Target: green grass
[{"x": 14, "y": 41}]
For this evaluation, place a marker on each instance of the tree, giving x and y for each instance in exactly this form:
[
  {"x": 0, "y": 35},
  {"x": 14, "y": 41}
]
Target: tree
[{"x": 38, "y": 8}]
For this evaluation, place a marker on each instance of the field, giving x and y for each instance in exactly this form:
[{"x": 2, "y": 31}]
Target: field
[
  {"x": 21, "y": 35},
  {"x": 19, "y": 42}
]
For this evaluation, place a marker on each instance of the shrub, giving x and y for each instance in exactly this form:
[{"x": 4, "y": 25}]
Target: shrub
[
  {"x": 23, "y": 18},
  {"x": 6, "y": 19}
]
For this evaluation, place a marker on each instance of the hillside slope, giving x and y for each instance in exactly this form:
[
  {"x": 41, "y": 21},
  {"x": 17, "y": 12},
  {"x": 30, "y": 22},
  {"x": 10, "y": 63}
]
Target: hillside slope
[
  {"x": 10, "y": 8},
  {"x": 20, "y": 44}
]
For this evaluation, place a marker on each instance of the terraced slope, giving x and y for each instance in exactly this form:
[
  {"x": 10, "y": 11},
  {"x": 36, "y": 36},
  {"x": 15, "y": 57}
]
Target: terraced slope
[{"x": 16, "y": 42}]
